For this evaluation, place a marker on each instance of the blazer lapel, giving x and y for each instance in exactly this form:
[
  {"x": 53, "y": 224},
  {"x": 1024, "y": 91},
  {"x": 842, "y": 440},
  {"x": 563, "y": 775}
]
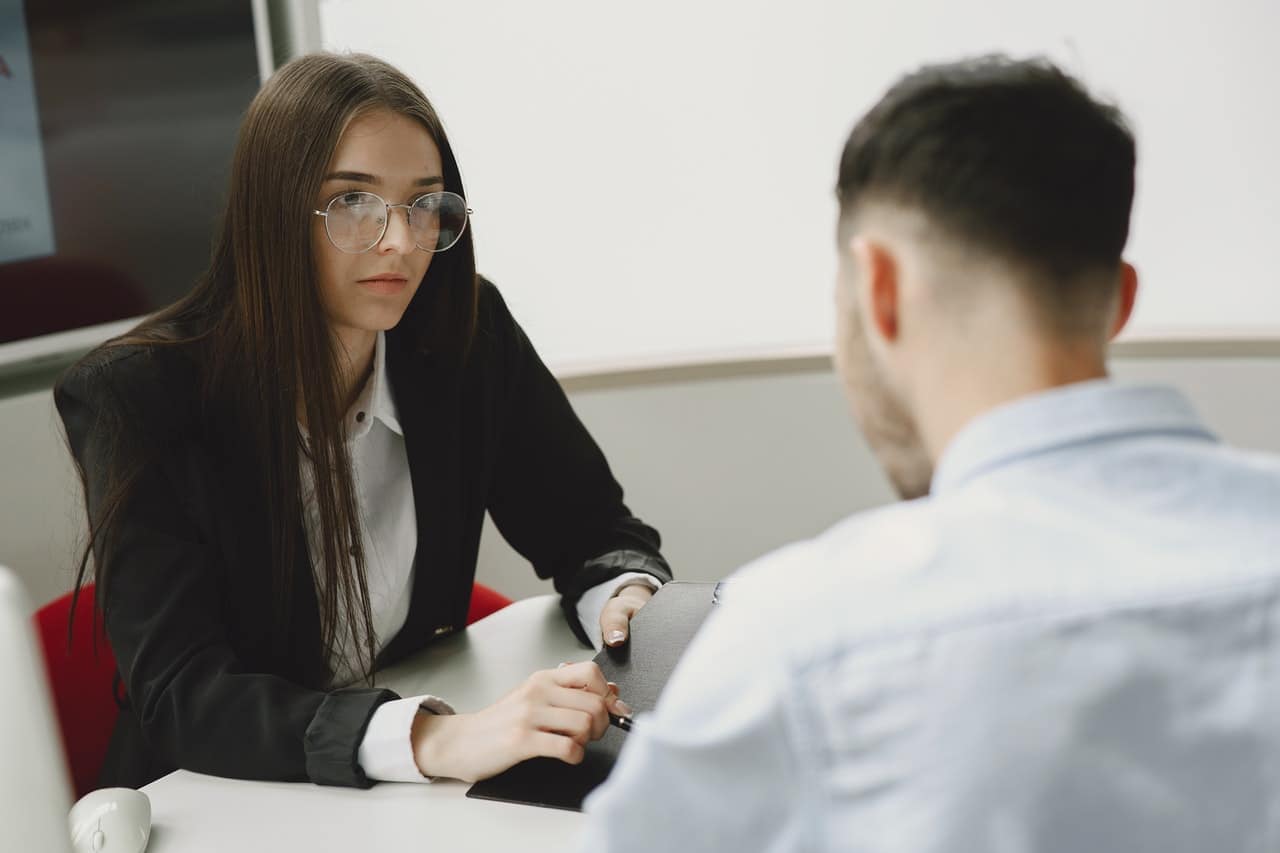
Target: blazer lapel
[{"x": 427, "y": 398}]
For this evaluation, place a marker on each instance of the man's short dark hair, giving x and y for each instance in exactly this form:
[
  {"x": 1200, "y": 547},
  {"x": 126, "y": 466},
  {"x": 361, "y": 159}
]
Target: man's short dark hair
[{"x": 1013, "y": 157}]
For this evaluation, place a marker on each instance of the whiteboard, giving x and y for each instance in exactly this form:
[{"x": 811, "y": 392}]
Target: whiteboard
[{"x": 654, "y": 181}]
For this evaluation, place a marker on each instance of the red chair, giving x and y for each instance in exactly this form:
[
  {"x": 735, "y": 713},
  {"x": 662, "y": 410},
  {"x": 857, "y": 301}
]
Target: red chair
[
  {"x": 81, "y": 677},
  {"x": 484, "y": 601}
]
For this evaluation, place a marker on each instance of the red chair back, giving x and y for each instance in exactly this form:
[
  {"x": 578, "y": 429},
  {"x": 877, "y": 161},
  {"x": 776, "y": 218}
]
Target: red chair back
[
  {"x": 81, "y": 679},
  {"x": 484, "y": 601}
]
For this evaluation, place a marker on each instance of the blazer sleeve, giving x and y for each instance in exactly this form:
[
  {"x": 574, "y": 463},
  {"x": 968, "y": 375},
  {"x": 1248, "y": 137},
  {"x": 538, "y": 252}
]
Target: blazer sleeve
[
  {"x": 553, "y": 496},
  {"x": 198, "y": 706}
]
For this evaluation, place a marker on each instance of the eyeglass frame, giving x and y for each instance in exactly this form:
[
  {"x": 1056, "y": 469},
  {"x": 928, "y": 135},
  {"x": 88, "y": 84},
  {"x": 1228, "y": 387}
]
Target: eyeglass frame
[{"x": 408, "y": 206}]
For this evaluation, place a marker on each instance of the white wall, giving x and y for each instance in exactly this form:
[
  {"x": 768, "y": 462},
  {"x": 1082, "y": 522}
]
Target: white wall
[
  {"x": 666, "y": 168},
  {"x": 41, "y": 517},
  {"x": 726, "y": 468}
]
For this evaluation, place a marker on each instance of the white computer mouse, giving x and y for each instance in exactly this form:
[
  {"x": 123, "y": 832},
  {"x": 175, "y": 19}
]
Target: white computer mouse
[{"x": 111, "y": 820}]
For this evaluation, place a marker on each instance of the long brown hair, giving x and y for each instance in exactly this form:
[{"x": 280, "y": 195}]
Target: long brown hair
[{"x": 266, "y": 349}]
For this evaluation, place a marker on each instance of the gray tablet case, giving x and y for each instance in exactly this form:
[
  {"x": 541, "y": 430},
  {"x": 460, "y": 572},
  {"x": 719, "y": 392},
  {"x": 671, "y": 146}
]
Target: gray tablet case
[{"x": 660, "y": 632}]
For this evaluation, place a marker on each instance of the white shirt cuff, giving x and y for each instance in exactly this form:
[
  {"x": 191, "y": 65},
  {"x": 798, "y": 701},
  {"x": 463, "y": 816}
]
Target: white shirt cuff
[
  {"x": 593, "y": 601},
  {"x": 386, "y": 752}
]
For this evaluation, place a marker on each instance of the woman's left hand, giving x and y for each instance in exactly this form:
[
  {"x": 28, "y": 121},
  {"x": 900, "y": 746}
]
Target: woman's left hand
[{"x": 615, "y": 618}]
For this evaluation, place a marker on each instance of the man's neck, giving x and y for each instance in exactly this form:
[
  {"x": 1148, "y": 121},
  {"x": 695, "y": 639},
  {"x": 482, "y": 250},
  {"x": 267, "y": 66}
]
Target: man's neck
[{"x": 964, "y": 388}]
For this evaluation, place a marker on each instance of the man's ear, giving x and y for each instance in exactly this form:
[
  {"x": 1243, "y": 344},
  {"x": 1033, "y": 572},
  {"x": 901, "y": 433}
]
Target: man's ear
[
  {"x": 879, "y": 288},
  {"x": 1128, "y": 296}
]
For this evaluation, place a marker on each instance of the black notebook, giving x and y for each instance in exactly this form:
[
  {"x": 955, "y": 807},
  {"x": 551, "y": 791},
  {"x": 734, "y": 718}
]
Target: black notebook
[{"x": 660, "y": 632}]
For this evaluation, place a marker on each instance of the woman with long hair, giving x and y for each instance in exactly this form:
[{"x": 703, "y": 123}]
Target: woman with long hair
[{"x": 286, "y": 472}]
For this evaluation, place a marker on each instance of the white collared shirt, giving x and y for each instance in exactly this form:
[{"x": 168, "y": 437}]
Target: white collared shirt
[
  {"x": 389, "y": 531},
  {"x": 388, "y": 525},
  {"x": 1072, "y": 644}
]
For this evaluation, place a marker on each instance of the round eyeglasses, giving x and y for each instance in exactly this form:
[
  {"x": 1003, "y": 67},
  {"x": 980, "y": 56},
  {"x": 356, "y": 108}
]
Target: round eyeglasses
[{"x": 356, "y": 221}]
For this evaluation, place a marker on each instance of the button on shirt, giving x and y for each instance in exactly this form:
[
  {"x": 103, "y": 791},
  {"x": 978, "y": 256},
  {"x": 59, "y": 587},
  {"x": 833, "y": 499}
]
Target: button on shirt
[
  {"x": 1072, "y": 644},
  {"x": 389, "y": 532}
]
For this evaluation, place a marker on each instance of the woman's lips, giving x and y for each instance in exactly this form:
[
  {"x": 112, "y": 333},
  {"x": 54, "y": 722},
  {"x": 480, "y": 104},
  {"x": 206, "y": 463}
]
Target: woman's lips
[{"x": 384, "y": 285}]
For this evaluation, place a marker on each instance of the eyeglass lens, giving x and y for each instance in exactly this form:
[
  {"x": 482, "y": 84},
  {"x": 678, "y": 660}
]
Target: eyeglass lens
[{"x": 356, "y": 221}]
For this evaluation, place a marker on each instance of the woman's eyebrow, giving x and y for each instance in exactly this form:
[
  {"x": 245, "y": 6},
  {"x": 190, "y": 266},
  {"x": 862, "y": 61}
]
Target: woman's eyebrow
[{"x": 366, "y": 178}]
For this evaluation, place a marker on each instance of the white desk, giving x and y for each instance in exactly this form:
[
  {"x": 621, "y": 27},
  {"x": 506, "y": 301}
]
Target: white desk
[{"x": 193, "y": 813}]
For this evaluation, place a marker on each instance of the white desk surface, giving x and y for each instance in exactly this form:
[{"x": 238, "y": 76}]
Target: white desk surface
[{"x": 193, "y": 813}]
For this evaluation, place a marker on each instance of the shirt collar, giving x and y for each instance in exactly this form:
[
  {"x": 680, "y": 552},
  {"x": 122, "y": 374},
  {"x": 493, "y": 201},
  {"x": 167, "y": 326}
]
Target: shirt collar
[
  {"x": 1070, "y": 415},
  {"x": 375, "y": 401}
]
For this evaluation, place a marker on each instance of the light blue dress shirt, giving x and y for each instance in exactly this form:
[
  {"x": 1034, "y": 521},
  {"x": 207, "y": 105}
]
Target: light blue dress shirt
[{"x": 1072, "y": 645}]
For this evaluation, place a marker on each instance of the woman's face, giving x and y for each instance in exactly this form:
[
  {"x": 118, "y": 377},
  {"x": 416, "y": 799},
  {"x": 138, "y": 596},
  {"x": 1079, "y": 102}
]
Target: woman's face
[{"x": 393, "y": 156}]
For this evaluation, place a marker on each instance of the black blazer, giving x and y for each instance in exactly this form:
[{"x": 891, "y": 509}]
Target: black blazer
[{"x": 216, "y": 680}]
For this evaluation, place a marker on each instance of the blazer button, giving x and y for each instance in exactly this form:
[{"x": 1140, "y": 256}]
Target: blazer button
[{"x": 444, "y": 629}]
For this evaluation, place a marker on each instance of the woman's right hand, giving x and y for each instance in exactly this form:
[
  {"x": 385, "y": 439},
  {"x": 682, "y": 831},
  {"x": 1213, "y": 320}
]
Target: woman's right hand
[{"x": 554, "y": 713}]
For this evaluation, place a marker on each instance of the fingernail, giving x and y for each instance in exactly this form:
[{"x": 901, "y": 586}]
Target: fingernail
[
  {"x": 562, "y": 664},
  {"x": 615, "y": 637},
  {"x": 622, "y": 707}
]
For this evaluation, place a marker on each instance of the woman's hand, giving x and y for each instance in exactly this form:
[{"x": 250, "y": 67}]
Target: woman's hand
[
  {"x": 554, "y": 713},
  {"x": 615, "y": 618}
]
